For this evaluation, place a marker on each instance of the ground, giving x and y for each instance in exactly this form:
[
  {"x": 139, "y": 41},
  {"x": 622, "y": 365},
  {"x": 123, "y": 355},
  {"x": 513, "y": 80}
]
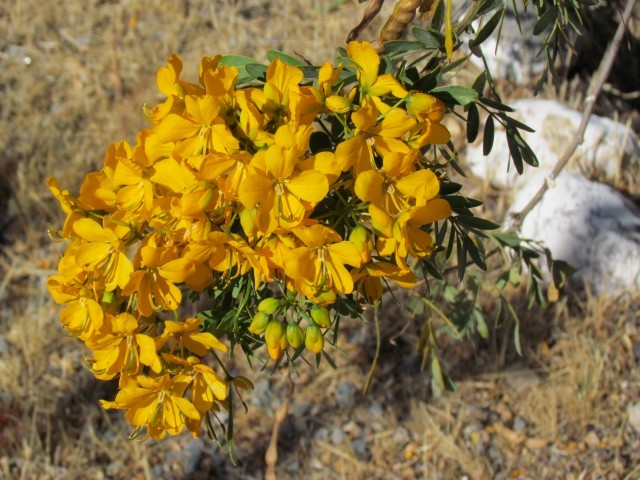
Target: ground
[{"x": 74, "y": 77}]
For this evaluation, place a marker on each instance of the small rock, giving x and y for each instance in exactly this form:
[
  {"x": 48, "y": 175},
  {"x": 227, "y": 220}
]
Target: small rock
[
  {"x": 592, "y": 439},
  {"x": 634, "y": 416},
  {"x": 359, "y": 447},
  {"x": 292, "y": 466},
  {"x": 345, "y": 394},
  {"x": 375, "y": 409},
  {"x": 192, "y": 455},
  {"x": 337, "y": 436},
  {"x": 322, "y": 433},
  {"x": 261, "y": 393},
  {"x": 519, "y": 424},
  {"x": 4, "y": 346}
]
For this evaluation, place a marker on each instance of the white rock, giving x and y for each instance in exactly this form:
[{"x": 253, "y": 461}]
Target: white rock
[
  {"x": 610, "y": 151},
  {"x": 513, "y": 56},
  {"x": 588, "y": 224}
]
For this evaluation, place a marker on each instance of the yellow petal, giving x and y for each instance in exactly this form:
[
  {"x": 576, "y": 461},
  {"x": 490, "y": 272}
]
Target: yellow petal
[
  {"x": 92, "y": 231},
  {"x": 437, "y": 209},
  {"x": 385, "y": 84},
  {"x": 366, "y": 60},
  {"x": 174, "y": 127},
  {"x": 254, "y": 190},
  {"x": 310, "y": 186},
  {"x": 369, "y": 186},
  {"x": 422, "y": 182}
]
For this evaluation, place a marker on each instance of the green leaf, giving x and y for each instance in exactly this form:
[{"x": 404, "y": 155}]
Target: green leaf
[
  {"x": 293, "y": 61},
  {"x": 429, "y": 81},
  {"x": 437, "y": 380},
  {"x": 544, "y": 21},
  {"x": 431, "y": 269},
  {"x": 240, "y": 62},
  {"x": 487, "y": 141},
  {"x": 437, "y": 21},
  {"x": 455, "y": 94},
  {"x": 515, "y": 123},
  {"x": 481, "y": 325},
  {"x": 475, "y": 253},
  {"x": 461, "y": 250},
  {"x": 497, "y": 105},
  {"x": 514, "y": 150},
  {"x": 402, "y": 46},
  {"x": 256, "y": 70},
  {"x": 479, "y": 83},
  {"x": 487, "y": 29},
  {"x": 448, "y": 188},
  {"x": 489, "y": 5},
  {"x": 476, "y": 222},
  {"x": 507, "y": 239},
  {"x": 431, "y": 39},
  {"x": 473, "y": 123}
]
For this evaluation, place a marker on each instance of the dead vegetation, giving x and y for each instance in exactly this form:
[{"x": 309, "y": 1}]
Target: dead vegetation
[{"x": 74, "y": 78}]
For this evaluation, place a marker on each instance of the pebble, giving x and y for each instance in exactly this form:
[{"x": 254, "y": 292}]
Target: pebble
[
  {"x": 337, "y": 436},
  {"x": 345, "y": 394},
  {"x": 4, "y": 346},
  {"x": 193, "y": 451},
  {"x": 634, "y": 416},
  {"x": 519, "y": 424},
  {"x": 260, "y": 396},
  {"x": 359, "y": 447}
]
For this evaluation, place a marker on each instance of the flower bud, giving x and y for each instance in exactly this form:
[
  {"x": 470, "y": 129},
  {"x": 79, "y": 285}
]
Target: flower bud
[
  {"x": 269, "y": 305},
  {"x": 295, "y": 335},
  {"x": 274, "y": 333},
  {"x": 338, "y": 104},
  {"x": 108, "y": 297},
  {"x": 259, "y": 323},
  {"x": 314, "y": 341},
  {"x": 320, "y": 315},
  {"x": 275, "y": 352},
  {"x": 361, "y": 238}
]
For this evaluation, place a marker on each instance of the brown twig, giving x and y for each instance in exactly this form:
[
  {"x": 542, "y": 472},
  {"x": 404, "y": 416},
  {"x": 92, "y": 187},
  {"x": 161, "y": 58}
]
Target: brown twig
[
  {"x": 601, "y": 76},
  {"x": 271, "y": 457}
]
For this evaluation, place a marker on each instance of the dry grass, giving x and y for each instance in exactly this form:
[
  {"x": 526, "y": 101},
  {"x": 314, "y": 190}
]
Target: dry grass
[{"x": 74, "y": 76}]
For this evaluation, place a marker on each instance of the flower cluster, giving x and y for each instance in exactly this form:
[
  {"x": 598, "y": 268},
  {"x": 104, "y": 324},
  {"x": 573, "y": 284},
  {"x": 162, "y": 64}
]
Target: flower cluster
[{"x": 319, "y": 187}]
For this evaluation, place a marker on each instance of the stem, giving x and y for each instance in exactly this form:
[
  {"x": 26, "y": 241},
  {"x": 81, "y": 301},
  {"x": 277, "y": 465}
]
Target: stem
[
  {"x": 601, "y": 76},
  {"x": 367, "y": 383}
]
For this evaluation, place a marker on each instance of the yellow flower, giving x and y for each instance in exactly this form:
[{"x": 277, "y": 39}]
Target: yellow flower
[
  {"x": 281, "y": 195},
  {"x": 103, "y": 252},
  {"x": 368, "y": 278},
  {"x": 281, "y": 80},
  {"x": 367, "y": 62},
  {"x": 156, "y": 403},
  {"x": 185, "y": 336},
  {"x": 154, "y": 284},
  {"x": 122, "y": 350},
  {"x": 397, "y": 186},
  {"x": 200, "y": 131},
  {"x": 319, "y": 266}
]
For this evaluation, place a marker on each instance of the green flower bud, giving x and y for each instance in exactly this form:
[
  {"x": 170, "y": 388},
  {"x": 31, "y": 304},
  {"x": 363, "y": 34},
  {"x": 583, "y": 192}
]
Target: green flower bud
[
  {"x": 320, "y": 315},
  {"x": 259, "y": 323},
  {"x": 269, "y": 305},
  {"x": 295, "y": 335},
  {"x": 274, "y": 334},
  {"x": 314, "y": 341}
]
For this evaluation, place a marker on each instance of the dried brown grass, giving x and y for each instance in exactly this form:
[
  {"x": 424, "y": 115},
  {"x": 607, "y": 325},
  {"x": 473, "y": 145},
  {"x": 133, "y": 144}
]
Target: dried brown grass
[{"x": 74, "y": 76}]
